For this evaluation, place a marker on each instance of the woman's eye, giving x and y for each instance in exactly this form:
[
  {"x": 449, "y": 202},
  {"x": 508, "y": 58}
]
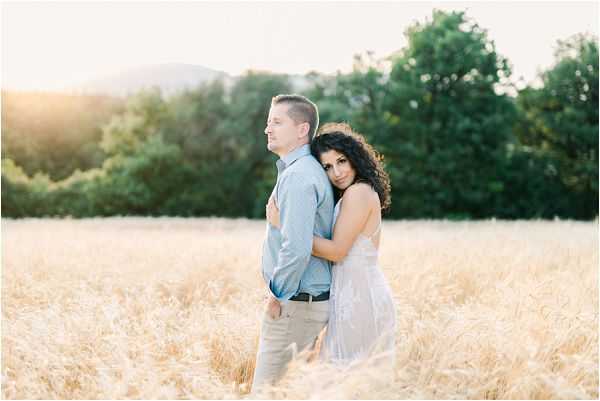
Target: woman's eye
[
  {"x": 327, "y": 167},
  {"x": 342, "y": 161}
]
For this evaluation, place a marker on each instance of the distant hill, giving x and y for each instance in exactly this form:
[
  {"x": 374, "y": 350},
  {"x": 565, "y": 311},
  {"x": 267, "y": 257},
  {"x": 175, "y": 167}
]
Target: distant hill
[{"x": 170, "y": 78}]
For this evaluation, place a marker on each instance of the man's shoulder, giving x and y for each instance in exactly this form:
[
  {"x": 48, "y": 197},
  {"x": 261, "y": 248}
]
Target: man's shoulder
[
  {"x": 305, "y": 171},
  {"x": 304, "y": 164}
]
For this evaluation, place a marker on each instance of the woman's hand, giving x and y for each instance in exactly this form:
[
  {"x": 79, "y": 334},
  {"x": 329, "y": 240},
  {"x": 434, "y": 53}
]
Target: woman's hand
[{"x": 272, "y": 212}]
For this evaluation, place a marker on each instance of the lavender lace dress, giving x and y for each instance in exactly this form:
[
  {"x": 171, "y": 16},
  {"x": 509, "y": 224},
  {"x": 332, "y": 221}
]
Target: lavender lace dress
[{"x": 362, "y": 317}]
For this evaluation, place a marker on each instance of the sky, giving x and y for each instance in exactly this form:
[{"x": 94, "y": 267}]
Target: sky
[{"x": 48, "y": 45}]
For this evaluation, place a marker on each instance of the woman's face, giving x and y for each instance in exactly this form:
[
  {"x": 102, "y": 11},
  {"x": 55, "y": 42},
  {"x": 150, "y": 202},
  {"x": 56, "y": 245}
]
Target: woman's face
[{"x": 338, "y": 168}]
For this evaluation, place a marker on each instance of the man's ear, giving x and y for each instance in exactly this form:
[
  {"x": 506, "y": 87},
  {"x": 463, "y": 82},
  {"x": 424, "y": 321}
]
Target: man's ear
[{"x": 304, "y": 128}]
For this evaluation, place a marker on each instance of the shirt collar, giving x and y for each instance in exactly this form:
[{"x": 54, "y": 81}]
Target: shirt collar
[{"x": 294, "y": 155}]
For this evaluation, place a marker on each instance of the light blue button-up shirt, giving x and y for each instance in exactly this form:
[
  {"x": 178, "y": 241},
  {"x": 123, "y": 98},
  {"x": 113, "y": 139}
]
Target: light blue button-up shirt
[{"x": 305, "y": 200}]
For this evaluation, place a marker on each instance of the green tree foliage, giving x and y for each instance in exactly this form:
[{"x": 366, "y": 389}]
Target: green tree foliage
[
  {"x": 18, "y": 196},
  {"x": 55, "y": 133},
  {"x": 194, "y": 127},
  {"x": 143, "y": 118},
  {"x": 357, "y": 97},
  {"x": 448, "y": 123},
  {"x": 143, "y": 183},
  {"x": 201, "y": 152},
  {"x": 437, "y": 110},
  {"x": 559, "y": 123}
]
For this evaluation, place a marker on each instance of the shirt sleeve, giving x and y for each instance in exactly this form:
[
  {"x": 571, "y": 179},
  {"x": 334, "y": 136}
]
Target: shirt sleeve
[{"x": 297, "y": 201}]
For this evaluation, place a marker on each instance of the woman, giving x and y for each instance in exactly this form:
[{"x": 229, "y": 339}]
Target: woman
[{"x": 362, "y": 316}]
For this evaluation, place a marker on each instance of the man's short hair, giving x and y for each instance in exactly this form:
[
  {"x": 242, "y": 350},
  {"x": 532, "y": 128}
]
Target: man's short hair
[{"x": 301, "y": 110}]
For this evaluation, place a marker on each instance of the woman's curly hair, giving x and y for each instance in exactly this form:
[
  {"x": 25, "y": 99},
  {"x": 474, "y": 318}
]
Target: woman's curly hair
[{"x": 365, "y": 160}]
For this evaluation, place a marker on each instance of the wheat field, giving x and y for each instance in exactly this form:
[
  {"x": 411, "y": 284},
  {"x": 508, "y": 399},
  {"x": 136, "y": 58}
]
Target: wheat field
[{"x": 154, "y": 308}]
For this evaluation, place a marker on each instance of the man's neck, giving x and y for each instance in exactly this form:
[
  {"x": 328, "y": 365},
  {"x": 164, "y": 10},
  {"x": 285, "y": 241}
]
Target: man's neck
[{"x": 282, "y": 155}]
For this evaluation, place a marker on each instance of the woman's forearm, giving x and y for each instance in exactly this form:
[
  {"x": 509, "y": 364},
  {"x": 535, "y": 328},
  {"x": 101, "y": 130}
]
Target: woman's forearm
[{"x": 326, "y": 249}]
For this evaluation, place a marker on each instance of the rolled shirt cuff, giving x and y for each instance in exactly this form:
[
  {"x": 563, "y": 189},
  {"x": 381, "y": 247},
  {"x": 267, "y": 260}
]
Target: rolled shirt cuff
[{"x": 281, "y": 298}]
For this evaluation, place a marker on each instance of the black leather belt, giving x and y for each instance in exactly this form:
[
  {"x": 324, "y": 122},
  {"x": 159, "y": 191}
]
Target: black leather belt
[{"x": 304, "y": 297}]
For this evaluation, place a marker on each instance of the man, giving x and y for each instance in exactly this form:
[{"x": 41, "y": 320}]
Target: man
[{"x": 298, "y": 283}]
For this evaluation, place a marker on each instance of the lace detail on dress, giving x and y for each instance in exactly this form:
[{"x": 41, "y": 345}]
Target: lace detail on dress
[{"x": 362, "y": 317}]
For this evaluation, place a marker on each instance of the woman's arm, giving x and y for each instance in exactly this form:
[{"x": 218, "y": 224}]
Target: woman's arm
[{"x": 351, "y": 221}]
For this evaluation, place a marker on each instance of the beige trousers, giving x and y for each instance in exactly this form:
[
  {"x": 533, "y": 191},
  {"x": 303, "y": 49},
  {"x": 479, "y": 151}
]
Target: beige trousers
[{"x": 296, "y": 329}]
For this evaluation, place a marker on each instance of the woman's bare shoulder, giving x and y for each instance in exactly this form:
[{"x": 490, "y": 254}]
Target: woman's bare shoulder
[
  {"x": 361, "y": 193},
  {"x": 360, "y": 190}
]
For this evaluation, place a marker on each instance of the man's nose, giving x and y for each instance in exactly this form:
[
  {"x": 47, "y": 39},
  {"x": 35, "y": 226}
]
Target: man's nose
[{"x": 267, "y": 130}]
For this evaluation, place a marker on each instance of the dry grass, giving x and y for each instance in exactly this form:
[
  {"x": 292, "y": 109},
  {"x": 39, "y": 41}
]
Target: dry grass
[{"x": 170, "y": 308}]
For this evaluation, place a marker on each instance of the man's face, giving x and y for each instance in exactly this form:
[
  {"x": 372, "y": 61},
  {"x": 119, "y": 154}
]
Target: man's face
[{"x": 283, "y": 134}]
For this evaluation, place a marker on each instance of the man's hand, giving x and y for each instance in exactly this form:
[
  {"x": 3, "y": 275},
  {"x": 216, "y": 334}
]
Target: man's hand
[{"x": 273, "y": 307}]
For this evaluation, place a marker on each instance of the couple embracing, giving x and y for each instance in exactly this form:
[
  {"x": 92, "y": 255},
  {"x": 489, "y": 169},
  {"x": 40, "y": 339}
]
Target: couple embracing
[{"x": 319, "y": 261}]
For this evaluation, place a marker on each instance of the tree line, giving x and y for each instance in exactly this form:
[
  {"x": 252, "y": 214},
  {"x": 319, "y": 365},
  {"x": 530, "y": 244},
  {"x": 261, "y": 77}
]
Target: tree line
[{"x": 457, "y": 143}]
